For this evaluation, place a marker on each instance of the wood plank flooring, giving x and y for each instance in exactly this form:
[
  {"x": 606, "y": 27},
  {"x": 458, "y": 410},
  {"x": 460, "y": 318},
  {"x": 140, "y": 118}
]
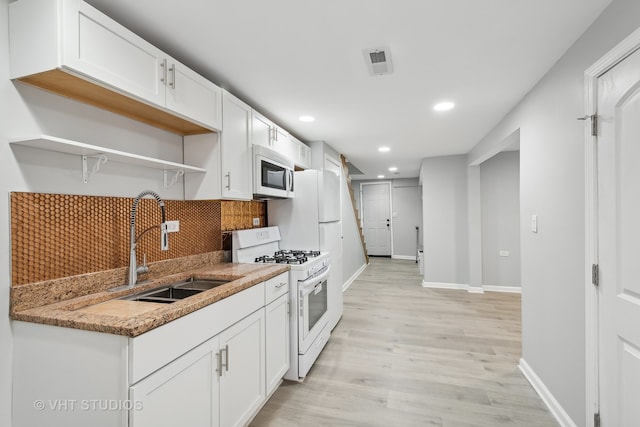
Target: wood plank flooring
[{"x": 403, "y": 355}]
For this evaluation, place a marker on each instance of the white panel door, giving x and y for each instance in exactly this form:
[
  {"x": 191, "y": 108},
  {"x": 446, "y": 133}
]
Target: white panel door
[
  {"x": 242, "y": 383},
  {"x": 182, "y": 393},
  {"x": 376, "y": 218},
  {"x": 619, "y": 243},
  {"x": 99, "y": 47},
  {"x": 236, "y": 149},
  {"x": 277, "y": 341},
  {"x": 192, "y": 96},
  {"x": 261, "y": 130}
]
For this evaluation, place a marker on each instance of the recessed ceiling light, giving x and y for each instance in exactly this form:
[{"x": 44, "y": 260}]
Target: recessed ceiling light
[
  {"x": 444, "y": 106},
  {"x": 384, "y": 149},
  {"x": 307, "y": 119},
  {"x": 380, "y": 176},
  {"x": 393, "y": 169}
]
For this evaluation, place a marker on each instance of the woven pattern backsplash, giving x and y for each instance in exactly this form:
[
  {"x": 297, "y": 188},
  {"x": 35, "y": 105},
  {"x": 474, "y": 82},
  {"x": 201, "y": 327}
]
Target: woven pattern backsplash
[
  {"x": 239, "y": 215},
  {"x": 57, "y": 235}
]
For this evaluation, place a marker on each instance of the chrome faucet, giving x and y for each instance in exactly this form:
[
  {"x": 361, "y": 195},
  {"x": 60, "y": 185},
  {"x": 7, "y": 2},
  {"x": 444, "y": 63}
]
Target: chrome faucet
[{"x": 134, "y": 270}]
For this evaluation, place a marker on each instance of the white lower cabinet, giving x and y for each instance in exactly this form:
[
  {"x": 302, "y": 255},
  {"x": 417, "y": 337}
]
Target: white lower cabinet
[
  {"x": 219, "y": 383},
  {"x": 207, "y": 368},
  {"x": 277, "y": 340},
  {"x": 185, "y": 392},
  {"x": 242, "y": 375}
]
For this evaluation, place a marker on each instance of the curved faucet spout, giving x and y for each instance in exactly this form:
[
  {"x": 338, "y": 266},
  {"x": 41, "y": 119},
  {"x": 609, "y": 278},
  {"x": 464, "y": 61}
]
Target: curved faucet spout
[{"x": 164, "y": 236}]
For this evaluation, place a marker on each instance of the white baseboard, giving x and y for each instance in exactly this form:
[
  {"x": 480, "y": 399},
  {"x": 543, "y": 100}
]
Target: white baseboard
[
  {"x": 355, "y": 275},
  {"x": 439, "y": 285},
  {"x": 554, "y": 406},
  {"x": 472, "y": 289},
  {"x": 508, "y": 289},
  {"x": 407, "y": 257}
]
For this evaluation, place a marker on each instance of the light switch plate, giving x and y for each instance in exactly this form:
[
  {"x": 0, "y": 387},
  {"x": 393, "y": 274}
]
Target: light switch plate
[
  {"x": 504, "y": 253},
  {"x": 256, "y": 222},
  {"x": 173, "y": 226},
  {"x": 534, "y": 223}
]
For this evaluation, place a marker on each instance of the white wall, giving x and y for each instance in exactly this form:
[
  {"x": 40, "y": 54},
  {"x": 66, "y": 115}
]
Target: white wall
[
  {"x": 353, "y": 255},
  {"x": 500, "y": 194},
  {"x": 406, "y": 197},
  {"x": 445, "y": 219},
  {"x": 29, "y": 111},
  {"x": 8, "y": 180},
  {"x": 552, "y": 186}
]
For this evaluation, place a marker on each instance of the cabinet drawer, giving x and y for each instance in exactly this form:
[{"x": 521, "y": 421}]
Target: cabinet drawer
[{"x": 275, "y": 287}]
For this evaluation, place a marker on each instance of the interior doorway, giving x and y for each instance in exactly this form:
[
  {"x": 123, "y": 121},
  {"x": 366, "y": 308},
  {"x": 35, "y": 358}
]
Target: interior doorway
[{"x": 376, "y": 218}]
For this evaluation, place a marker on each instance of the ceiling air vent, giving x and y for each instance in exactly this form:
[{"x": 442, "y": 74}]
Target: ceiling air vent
[{"x": 378, "y": 61}]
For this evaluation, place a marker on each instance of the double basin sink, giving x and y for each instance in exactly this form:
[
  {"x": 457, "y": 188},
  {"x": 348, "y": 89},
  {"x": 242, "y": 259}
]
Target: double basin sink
[{"x": 176, "y": 291}]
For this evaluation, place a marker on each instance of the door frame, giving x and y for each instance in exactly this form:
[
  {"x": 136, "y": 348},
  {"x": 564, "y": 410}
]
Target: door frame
[
  {"x": 592, "y": 315},
  {"x": 389, "y": 183}
]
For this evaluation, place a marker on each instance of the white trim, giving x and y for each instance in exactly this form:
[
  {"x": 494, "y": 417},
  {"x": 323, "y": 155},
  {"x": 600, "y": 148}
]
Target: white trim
[
  {"x": 507, "y": 289},
  {"x": 351, "y": 279},
  {"x": 440, "y": 285},
  {"x": 475, "y": 289},
  {"x": 606, "y": 62},
  {"x": 407, "y": 257},
  {"x": 554, "y": 406}
]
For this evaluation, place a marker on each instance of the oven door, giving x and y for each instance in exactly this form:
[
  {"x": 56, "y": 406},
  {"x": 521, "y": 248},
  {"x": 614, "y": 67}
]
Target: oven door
[{"x": 312, "y": 315}]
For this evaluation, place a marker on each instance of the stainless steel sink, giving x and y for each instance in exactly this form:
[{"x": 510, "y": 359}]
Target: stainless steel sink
[{"x": 176, "y": 291}]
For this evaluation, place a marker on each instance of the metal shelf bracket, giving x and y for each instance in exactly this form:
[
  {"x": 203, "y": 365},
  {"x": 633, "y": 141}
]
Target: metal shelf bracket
[
  {"x": 169, "y": 181},
  {"x": 91, "y": 165}
]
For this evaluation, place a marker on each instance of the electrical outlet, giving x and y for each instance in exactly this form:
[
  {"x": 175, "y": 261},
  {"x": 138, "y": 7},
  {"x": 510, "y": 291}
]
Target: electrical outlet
[
  {"x": 256, "y": 222},
  {"x": 504, "y": 253},
  {"x": 173, "y": 226}
]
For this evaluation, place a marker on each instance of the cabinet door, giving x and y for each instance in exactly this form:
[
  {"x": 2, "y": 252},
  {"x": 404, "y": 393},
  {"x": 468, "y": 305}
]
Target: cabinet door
[
  {"x": 261, "y": 130},
  {"x": 183, "y": 393},
  {"x": 192, "y": 96},
  {"x": 236, "y": 149},
  {"x": 97, "y": 46},
  {"x": 277, "y": 341},
  {"x": 282, "y": 144},
  {"x": 242, "y": 387}
]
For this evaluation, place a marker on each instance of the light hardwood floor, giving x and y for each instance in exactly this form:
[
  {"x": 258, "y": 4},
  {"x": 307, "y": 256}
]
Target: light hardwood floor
[{"x": 403, "y": 355}]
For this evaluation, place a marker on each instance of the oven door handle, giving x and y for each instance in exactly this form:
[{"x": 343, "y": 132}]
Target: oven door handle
[{"x": 307, "y": 286}]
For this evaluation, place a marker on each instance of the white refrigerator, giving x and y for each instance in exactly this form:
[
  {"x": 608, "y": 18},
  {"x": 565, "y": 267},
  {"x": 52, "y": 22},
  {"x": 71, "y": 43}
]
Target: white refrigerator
[{"x": 311, "y": 221}]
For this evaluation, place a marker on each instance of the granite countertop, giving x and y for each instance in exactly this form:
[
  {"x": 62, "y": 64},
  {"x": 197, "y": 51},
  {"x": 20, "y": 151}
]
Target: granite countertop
[{"x": 104, "y": 312}]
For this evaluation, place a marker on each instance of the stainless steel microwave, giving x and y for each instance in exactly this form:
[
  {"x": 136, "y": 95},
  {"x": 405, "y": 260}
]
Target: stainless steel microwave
[{"x": 272, "y": 174}]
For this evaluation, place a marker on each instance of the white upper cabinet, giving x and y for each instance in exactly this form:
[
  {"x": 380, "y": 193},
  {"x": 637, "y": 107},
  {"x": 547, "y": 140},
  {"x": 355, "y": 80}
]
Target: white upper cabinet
[
  {"x": 301, "y": 153},
  {"x": 281, "y": 142},
  {"x": 192, "y": 96},
  {"x": 267, "y": 134},
  {"x": 236, "y": 149},
  {"x": 263, "y": 129},
  {"x": 70, "y": 48}
]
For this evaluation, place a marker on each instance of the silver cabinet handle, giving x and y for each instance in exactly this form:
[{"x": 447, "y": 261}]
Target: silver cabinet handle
[
  {"x": 163, "y": 75},
  {"x": 228, "y": 175},
  {"x": 219, "y": 363},
  {"x": 281, "y": 285},
  {"x": 172, "y": 83},
  {"x": 226, "y": 352}
]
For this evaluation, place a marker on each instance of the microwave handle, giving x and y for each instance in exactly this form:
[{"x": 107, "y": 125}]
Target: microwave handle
[{"x": 289, "y": 180}]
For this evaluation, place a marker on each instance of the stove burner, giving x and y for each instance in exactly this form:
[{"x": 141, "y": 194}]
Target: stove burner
[{"x": 287, "y": 257}]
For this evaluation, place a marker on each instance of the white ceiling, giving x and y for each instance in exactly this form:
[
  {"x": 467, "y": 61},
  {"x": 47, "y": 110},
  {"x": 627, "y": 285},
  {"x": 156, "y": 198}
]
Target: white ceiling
[{"x": 292, "y": 57}]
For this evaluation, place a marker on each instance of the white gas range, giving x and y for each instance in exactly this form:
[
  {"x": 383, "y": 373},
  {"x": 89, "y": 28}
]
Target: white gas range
[{"x": 309, "y": 331}]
